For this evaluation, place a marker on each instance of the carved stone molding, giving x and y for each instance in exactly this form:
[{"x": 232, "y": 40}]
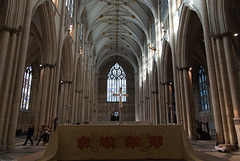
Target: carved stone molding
[{"x": 11, "y": 29}]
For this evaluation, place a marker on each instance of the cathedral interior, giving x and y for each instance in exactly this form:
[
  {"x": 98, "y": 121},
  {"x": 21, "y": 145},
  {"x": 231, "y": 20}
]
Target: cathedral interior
[{"x": 161, "y": 62}]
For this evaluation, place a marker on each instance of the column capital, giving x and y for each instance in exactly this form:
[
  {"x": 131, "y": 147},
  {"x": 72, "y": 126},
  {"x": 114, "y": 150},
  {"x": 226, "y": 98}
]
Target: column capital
[
  {"x": 165, "y": 83},
  {"x": 183, "y": 68},
  {"x": 11, "y": 29},
  {"x": 221, "y": 35},
  {"x": 47, "y": 65}
]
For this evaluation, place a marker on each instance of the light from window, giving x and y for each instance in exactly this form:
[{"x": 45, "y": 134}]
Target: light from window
[
  {"x": 203, "y": 90},
  {"x": 116, "y": 79},
  {"x": 26, "y": 89}
]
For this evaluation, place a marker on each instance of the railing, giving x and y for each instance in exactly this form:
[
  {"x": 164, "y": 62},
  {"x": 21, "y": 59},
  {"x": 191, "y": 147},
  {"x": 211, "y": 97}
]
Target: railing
[{"x": 203, "y": 130}]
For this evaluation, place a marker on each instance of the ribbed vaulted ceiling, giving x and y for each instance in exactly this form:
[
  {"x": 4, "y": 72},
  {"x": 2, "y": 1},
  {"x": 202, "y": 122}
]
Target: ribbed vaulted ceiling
[{"x": 117, "y": 28}]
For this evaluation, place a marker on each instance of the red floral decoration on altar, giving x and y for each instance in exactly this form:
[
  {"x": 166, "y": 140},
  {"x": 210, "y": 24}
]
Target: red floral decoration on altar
[
  {"x": 132, "y": 141},
  {"x": 83, "y": 142},
  {"x": 107, "y": 142},
  {"x": 156, "y": 141}
]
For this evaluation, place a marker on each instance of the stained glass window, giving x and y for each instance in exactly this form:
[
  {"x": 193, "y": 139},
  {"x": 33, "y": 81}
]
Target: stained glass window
[
  {"x": 26, "y": 89},
  {"x": 203, "y": 85},
  {"x": 164, "y": 9},
  {"x": 69, "y": 5},
  {"x": 116, "y": 79}
]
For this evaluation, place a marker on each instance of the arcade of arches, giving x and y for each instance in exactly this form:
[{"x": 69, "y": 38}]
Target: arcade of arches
[{"x": 178, "y": 61}]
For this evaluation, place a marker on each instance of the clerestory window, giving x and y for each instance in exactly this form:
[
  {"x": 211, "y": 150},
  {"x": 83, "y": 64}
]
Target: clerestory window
[
  {"x": 26, "y": 89},
  {"x": 116, "y": 79}
]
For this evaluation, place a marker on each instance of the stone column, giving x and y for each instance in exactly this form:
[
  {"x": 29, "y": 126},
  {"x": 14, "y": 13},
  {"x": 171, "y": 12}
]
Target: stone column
[
  {"x": 61, "y": 33},
  {"x": 4, "y": 49},
  {"x": 167, "y": 103},
  {"x": 19, "y": 77},
  {"x": 170, "y": 102},
  {"x": 76, "y": 108},
  {"x": 232, "y": 70},
  {"x": 179, "y": 108},
  {"x": 183, "y": 109},
  {"x": 140, "y": 102},
  {"x": 234, "y": 88},
  {"x": 162, "y": 105},
  {"x": 60, "y": 105},
  {"x": 46, "y": 93},
  {"x": 212, "y": 75},
  {"x": 66, "y": 106},
  {"x": 188, "y": 103},
  {"x": 137, "y": 92},
  {"x": 216, "y": 49},
  {"x": 7, "y": 82}
]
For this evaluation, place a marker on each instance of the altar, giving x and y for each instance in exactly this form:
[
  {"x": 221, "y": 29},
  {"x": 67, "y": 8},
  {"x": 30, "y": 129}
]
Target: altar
[{"x": 119, "y": 142}]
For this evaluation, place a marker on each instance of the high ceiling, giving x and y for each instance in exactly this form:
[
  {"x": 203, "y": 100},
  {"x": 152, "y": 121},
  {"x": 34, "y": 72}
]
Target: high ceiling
[{"x": 117, "y": 28}]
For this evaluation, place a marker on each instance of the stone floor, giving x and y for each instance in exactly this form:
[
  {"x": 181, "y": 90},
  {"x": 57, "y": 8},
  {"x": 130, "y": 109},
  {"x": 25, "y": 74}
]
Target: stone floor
[{"x": 203, "y": 149}]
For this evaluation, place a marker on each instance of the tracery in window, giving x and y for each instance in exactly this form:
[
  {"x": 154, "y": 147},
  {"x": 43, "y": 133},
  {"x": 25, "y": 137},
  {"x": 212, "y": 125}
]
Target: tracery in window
[
  {"x": 26, "y": 89},
  {"x": 116, "y": 79},
  {"x": 203, "y": 85}
]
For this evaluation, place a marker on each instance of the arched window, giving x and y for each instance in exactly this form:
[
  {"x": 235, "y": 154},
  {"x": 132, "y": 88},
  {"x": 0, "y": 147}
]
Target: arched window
[
  {"x": 26, "y": 89},
  {"x": 116, "y": 79},
  {"x": 203, "y": 85}
]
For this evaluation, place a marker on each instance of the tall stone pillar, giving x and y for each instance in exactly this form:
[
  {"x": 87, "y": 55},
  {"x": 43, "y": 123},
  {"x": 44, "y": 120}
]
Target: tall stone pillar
[
  {"x": 7, "y": 87},
  {"x": 179, "y": 108},
  {"x": 65, "y": 104},
  {"x": 220, "y": 85},
  {"x": 44, "y": 106},
  {"x": 228, "y": 110},
  {"x": 212, "y": 75},
  {"x": 163, "y": 104},
  {"x": 183, "y": 109},
  {"x": 234, "y": 86},
  {"x": 8, "y": 81},
  {"x": 167, "y": 103},
  {"x": 4, "y": 40},
  {"x": 188, "y": 98},
  {"x": 232, "y": 70},
  {"x": 137, "y": 92},
  {"x": 76, "y": 108},
  {"x": 20, "y": 68}
]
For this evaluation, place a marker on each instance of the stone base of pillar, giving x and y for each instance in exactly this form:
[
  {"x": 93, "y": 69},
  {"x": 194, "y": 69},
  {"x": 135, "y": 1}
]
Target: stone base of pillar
[
  {"x": 11, "y": 145},
  {"x": 3, "y": 146},
  {"x": 237, "y": 127}
]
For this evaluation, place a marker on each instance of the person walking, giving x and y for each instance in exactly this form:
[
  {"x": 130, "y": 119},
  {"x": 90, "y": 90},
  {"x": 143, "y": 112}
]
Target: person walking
[
  {"x": 30, "y": 132},
  {"x": 42, "y": 135}
]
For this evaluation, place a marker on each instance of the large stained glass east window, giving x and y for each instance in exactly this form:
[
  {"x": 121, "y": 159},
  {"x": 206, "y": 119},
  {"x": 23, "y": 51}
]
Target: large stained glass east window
[
  {"x": 116, "y": 79},
  {"x": 203, "y": 85},
  {"x": 26, "y": 89}
]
